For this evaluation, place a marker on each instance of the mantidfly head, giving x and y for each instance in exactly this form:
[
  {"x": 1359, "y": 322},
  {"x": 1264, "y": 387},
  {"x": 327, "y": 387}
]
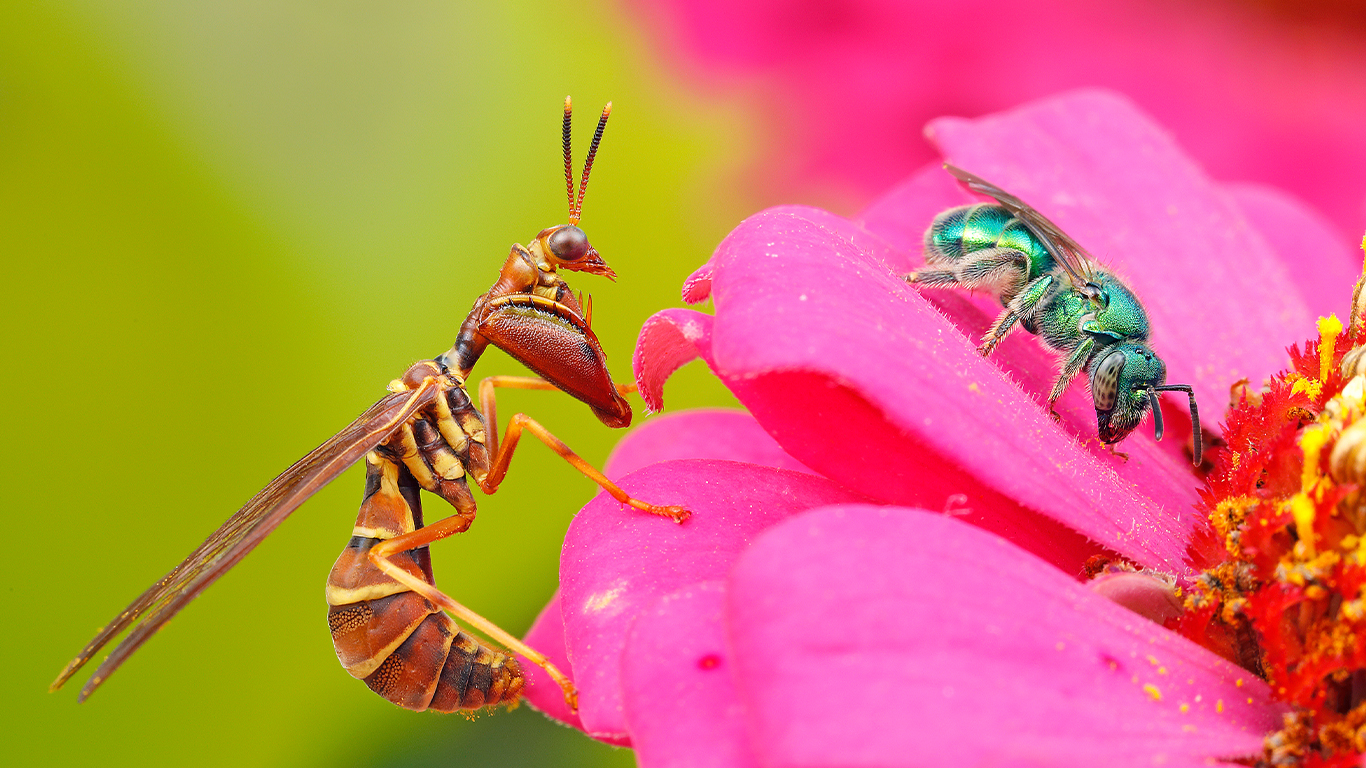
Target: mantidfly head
[{"x": 566, "y": 245}]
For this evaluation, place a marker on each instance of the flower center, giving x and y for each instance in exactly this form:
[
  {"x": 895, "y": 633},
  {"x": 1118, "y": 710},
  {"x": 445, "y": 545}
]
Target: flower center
[{"x": 1287, "y": 497}]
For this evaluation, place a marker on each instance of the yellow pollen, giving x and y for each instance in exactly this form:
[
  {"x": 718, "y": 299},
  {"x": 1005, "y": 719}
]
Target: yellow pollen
[
  {"x": 1302, "y": 509},
  {"x": 1219, "y": 705},
  {"x": 1329, "y": 328},
  {"x": 1311, "y": 442},
  {"x": 1185, "y": 708},
  {"x": 1152, "y": 692},
  {"x": 1238, "y": 683},
  {"x": 1311, "y": 387}
]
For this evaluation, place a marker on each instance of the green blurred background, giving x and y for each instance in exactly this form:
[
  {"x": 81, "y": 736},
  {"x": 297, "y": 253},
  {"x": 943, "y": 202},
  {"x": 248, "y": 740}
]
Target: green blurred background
[{"x": 225, "y": 227}]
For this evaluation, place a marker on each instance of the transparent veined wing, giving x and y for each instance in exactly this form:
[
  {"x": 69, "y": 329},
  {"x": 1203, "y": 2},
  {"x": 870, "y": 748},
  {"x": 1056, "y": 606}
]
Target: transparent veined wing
[
  {"x": 1067, "y": 251},
  {"x": 241, "y": 533}
]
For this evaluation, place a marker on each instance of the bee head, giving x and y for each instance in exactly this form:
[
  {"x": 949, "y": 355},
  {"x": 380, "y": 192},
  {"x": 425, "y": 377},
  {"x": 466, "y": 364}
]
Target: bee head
[{"x": 1125, "y": 382}]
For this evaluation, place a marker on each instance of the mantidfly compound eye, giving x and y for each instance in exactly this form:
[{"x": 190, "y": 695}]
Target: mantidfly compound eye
[{"x": 569, "y": 243}]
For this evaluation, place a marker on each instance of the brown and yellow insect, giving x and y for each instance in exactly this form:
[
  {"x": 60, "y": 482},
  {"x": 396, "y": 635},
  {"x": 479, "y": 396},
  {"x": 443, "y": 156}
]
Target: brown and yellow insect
[{"x": 385, "y": 612}]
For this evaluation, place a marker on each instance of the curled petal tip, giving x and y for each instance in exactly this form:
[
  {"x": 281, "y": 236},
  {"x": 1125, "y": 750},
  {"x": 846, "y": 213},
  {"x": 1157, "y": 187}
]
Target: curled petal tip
[{"x": 668, "y": 340}]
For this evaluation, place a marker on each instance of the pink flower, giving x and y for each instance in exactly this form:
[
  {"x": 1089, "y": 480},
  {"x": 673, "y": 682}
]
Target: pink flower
[
  {"x": 880, "y": 569},
  {"x": 1273, "y": 93}
]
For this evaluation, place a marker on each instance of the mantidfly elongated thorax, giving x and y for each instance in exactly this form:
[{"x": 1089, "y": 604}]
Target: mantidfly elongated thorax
[
  {"x": 390, "y": 625},
  {"x": 1051, "y": 287}
]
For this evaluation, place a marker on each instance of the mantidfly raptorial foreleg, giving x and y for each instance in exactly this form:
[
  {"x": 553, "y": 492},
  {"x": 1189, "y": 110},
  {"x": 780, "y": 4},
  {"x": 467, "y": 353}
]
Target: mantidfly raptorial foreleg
[{"x": 385, "y": 612}]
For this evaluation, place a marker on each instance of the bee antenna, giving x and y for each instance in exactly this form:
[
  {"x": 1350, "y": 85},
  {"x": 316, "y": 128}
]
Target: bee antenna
[
  {"x": 1157, "y": 414},
  {"x": 577, "y": 208},
  {"x": 568, "y": 155},
  {"x": 1196, "y": 432}
]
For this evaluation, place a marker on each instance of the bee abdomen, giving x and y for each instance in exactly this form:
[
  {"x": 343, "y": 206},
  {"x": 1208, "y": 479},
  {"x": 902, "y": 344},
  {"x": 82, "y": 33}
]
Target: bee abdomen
[{"x": 962, "y": 231}]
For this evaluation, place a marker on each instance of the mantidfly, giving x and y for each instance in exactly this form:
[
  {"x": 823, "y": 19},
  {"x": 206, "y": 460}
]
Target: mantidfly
[{"x": 386, "y": 614}]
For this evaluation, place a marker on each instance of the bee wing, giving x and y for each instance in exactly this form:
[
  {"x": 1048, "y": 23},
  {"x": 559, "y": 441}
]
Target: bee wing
[
  {"x": 245, "y": 529},
  {"x": 1067, "y": 251}
]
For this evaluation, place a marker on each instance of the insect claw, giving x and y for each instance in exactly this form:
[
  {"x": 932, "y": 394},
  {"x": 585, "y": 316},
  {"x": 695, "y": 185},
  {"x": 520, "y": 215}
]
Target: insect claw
[{"x": 1111, "y": 448}]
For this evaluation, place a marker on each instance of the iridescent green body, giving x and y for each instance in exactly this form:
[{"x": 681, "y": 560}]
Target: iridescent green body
[{"x": 1051, "y": 288}]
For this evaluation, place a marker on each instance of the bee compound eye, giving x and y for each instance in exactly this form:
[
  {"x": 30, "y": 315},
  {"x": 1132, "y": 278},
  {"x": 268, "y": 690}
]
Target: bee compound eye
[
  {"x": 569, "y": 243},
  {"x": 1105, "y": 381}
]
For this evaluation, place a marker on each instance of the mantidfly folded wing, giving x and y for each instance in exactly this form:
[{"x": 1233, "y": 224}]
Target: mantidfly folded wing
[{"x": 241, "y": 533}]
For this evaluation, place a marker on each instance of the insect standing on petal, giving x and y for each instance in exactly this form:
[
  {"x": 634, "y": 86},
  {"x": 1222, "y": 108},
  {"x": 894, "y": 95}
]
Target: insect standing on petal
[
  {"x": 1052, "y": 288},
  {"x": 385, "y": 612}
]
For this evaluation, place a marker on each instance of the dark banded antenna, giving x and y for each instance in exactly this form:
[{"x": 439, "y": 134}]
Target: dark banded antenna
[
  {"x": 1199, "y": 448},
  {"x": 568, "y": 154},
  {"x": 577, "y": 208},
  {"x": 1157, "y": 414}
]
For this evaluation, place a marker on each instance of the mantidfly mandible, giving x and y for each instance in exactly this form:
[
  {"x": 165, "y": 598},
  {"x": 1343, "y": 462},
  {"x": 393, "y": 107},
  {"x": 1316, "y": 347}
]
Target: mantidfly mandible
[
  {"x": 386, "y": 614},
  {"x": 1052, "y": 287}
]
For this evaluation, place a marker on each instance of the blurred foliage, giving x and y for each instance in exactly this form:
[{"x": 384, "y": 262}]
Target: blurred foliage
[{"x": 226, "y": 226}]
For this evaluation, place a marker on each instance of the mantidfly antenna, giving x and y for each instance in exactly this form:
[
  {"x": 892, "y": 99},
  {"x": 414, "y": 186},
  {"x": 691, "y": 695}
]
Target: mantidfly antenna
[
  {"x": 576, "y": 207},
  {"x": 568, "y": 155},
  {"x": 1195, "y": 415}
]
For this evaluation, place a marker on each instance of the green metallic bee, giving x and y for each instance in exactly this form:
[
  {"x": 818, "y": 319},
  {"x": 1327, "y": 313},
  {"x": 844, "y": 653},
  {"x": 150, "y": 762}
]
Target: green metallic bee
[{"x": 1051, "y": 287}]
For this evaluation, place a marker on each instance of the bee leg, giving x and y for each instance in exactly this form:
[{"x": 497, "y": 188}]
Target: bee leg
[
  {"x": 1070, "y": 368},
  {"x": 1021, "y": 307},
  {"x": 1004, "y": 270},
  {"x": 1111, "y": 448},
  {"x": 379, "y": 556},
  {"x": 502, "y": 452}
]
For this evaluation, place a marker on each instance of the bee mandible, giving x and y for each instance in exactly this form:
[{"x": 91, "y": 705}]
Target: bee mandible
[{"x": 1053, "y": 288}]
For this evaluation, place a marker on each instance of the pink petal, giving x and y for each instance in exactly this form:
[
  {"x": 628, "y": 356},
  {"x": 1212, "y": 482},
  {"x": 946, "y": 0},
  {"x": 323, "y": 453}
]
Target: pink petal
[
  {"x": 711, "y": 433},
  {"x": 1215, "y": 290},
  {"x": 1321, "y": 263},
  {"x": 888, "y": 637},
  {"x": 1272, "y": 92},
  {"x": 697, "y": 434},
  {"x": 547, "y": 636},
  {"x": 680, "y": 704},
  {"x": 901, "y": 216},
  {"x": 674, "y": 337},
  {"x": 617, "y": 562},
  {"x": 829, "y": 348}
]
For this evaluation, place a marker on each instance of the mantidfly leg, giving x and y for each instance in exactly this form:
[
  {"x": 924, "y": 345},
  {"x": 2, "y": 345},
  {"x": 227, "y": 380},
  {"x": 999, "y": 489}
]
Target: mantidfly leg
[
  {"x": 379, "y": 556},
  {"x": 502, "y": 452}
]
